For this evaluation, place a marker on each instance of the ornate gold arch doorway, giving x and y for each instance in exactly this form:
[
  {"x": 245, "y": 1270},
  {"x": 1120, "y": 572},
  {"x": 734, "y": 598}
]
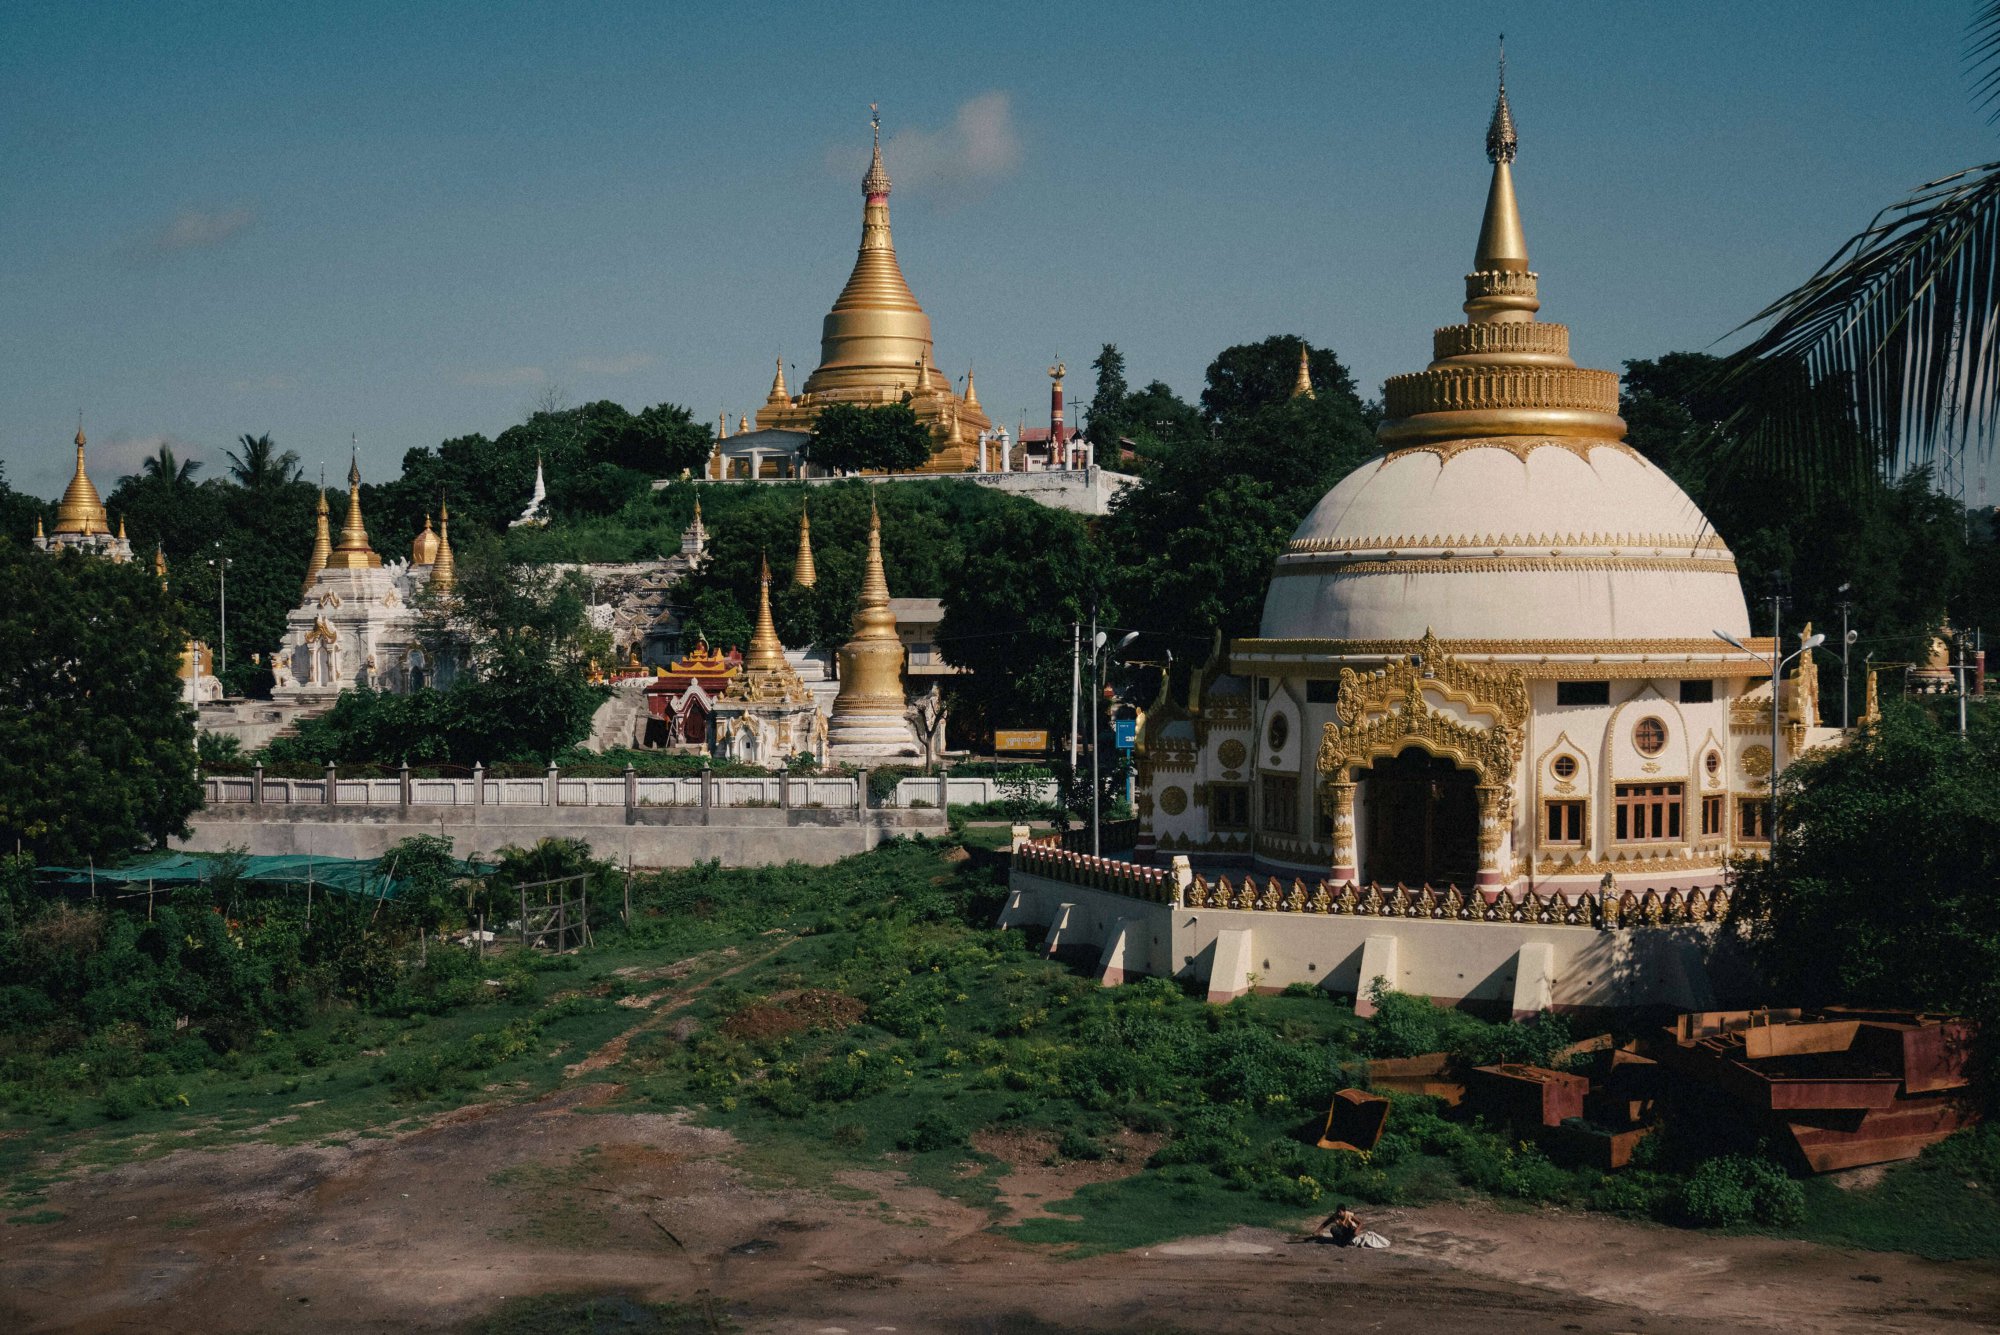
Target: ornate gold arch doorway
[{"x": 1471, "y": 717}]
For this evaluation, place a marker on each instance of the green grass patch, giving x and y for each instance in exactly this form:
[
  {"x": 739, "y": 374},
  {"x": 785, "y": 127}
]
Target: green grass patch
[
  {"x": 1944, "y": 1204},
  {"x": 38, "y": 1217},
  {"x": 1149, "y": 1209}
]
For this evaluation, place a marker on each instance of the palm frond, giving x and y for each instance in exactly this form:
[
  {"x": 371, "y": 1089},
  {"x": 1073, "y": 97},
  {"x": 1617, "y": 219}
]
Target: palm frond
[
  {"x": 1907, "y": 314},
  {"x": 1982, "y": 58}
]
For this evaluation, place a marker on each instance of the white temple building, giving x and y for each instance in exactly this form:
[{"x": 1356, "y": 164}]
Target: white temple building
[
  {"x": 1488, "y": 657},
  {"x": 354, "y": 625}
]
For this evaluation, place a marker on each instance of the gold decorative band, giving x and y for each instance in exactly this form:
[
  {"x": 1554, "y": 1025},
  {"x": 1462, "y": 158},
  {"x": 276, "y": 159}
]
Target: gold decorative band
[
  {"x": 1523, "y": 336},
  {"x": 1329, "y": 648},
  {"x": 1658, "y": 544},
  {"x": 1459, "y": 389},
  {"x": 1475, "y": 565}
]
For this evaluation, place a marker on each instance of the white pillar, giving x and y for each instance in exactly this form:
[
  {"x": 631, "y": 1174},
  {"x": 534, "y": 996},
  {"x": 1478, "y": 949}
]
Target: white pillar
[{"x": 982, "y": 449}]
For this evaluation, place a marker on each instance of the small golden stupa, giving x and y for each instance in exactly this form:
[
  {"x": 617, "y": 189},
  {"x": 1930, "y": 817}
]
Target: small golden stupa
[
  {"x": 875, "y": 346},
  {"x": 352, "y": 552},
  {"x": 870, "y": 715},
  {"x": 424, "y": 547},
  {"x": 80, "y": 511},
  {"x": 804, "y": 574},
  {"x": 444, "y": 569}
]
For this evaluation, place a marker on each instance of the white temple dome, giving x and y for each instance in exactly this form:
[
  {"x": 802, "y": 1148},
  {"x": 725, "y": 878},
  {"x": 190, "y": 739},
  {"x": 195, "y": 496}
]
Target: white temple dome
[{"x": 1506, "y": 538}]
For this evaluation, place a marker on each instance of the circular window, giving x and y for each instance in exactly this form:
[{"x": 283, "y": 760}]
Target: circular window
[
  {"x": 1714, "y": 762},
  {"x": 1650, "y": 736},
  {"x": 1280, "y": 729},
  {"x": 1565, "y": 767}
]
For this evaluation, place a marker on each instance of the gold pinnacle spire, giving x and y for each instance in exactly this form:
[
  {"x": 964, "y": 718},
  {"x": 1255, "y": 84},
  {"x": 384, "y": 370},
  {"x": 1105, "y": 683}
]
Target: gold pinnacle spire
[
  {"x": 160, "y": 563},
  {"x": 444, "y": 570},
  {"x": 722, "y": 425},
  {"x": 1502, "y": 377},
  {"x": 1503, "y": 245},
  {"x": 39, "y": 535},
  {"x": 80, "y": 510},
  {"x": 876, "y": 182},
  {"x": 322, "y": 539},
  {"x": 804, "y": 575},
  {"x": 871, "y": 662},
  {"x": 779, "y": 394},
  {"x": 1302, "y": 388},
  {"x": 742, "y": 423},
  {"x": 766, "y": 654},
  {"x": 971, "y": 390},
  {"x": 121, "y": 528},
  {"x": 352, "y": 552}
]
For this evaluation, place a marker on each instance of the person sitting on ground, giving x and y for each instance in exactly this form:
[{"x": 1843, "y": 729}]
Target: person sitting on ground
[{"x": 1339, "y": 1228}]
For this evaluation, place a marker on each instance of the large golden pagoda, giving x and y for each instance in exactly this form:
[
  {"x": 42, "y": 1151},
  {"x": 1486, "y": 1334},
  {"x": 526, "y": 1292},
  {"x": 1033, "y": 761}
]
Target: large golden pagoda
[
  {"x": 352, "y": 552},
  {"x": 875, "y": 347},
  {"x": 870, "y": 716},
  {"x": 81, "y": 519}
]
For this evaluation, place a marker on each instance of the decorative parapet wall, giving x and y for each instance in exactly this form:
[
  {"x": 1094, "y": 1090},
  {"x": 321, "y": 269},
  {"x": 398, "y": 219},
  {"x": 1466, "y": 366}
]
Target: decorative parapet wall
[{"x": 1048, "y": 859}]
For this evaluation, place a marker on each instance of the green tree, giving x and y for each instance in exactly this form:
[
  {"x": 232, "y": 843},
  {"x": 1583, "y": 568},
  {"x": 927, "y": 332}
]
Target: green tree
[
  {"x": 262, "y": 464},
  {"x": 170, "y": 472},
  {"x": 850, "y": 438},
  {"x": 1107, "y": 422},
  {"x": 18, "y": 511},
  {"x": 96, "y": 749},
  {"x": 1885, "y": 889},
  {"x": 1194, "y": 542}
]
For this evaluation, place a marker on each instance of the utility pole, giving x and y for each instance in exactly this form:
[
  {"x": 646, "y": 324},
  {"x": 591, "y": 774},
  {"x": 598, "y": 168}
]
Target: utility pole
[
  {"x": 1075, "y": 683},
  {"x": 1846, "y": 643},
  {"x": 1096, "y": 647}
]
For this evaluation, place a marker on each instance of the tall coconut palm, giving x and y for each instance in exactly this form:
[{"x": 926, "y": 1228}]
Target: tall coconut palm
[
  {"x": 168, "y": 470},
  {"x": 1906, "y": 314},
  {"x": 262, "y": 464}
]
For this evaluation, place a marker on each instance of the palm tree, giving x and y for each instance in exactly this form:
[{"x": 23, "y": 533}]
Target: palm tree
[
  {"x": 169, "y": 471},
  {"x": 1905, "y": 317},
  {"x": 262, "y": 464}
]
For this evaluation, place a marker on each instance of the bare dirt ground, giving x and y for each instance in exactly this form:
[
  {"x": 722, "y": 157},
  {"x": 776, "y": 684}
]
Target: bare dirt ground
[{"x": 430, "y": 1229}]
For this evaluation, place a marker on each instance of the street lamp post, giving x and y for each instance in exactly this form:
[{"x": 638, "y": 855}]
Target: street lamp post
[
  {"x": 1847, "y": 639},
  {"x": 1777, "y": 675},
  {"x": 221, "y": 564}
]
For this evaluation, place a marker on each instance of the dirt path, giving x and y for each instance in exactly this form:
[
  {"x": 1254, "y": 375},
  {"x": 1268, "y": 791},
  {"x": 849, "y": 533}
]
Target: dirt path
[{"x": 431, "y": 1229}]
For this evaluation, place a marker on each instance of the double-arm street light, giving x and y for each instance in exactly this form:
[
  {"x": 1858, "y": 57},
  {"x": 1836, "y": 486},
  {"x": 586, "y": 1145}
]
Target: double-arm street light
[
  {"x": 222, "y": 564},
  {"x": 1097, "y": 655},
  {"x": 1777, "y": 675}
]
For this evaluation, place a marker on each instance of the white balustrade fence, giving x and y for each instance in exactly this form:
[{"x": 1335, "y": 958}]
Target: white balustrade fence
[{"x": 554, "y": 789}]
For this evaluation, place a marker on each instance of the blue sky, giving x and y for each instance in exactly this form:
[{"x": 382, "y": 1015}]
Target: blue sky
[{"x": 409, "y": 221}]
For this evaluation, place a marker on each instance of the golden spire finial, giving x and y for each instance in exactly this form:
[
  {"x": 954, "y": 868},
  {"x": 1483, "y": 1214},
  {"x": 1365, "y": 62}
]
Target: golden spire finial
[
  {"x": 804, "y": 574},
  {"x": 766, "y": 654},
  {"x": 722, "y": 425},
  {"x": 352, "y": 552},
  {"x": 971, "y": 390},
  {"x": 1501, "y": 140},
  {"x": 779, "y": 394},
  {"x": 322, "y": 547},
  {"x": 876, "y": 182},
  {"x": 869, "y": 710},
  {"x": 39, "y": 535},
  {"x": 121, "y": 528},
  {"x": 1503, "y": 245},
  {"x": 160, "y": 563},
  {"x": 444, "y": 570},
  {"x": 1302, "y": 388},
  {"x": 423, "y": 548},
  {"x": 742, "y": 423}
]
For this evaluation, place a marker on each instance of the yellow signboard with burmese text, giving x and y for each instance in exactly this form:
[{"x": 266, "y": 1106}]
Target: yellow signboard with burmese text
[{"x": 1021, "y": 739}]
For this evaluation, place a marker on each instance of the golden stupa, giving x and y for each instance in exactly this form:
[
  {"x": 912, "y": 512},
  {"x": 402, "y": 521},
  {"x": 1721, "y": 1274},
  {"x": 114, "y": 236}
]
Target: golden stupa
[
  {"x": 875, "y": 347},
  {"x": 352, "y": 552},
  {"x": 424, "y": 547},
  {"x": 869, "y": 715},
  {"x": 444, "y": 567},
  {"x": 80, "y": 511},
  {"x": 322, "y": 538},
  {"x": 804, "y": 573}
]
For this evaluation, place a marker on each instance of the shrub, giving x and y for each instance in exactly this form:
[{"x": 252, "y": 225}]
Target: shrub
[
  {"x": 933, "y": 1131},
  {"x": 1736, "y": 1189}
]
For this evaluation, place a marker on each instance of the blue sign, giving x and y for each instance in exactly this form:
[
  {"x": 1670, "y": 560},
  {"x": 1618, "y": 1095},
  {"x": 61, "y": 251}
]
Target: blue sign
[{"x": 1124, "y": 732}]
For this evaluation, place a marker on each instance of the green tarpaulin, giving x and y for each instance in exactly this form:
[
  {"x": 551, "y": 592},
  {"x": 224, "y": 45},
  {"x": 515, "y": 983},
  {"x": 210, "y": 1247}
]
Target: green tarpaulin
[{"x": 341, "y": 876}]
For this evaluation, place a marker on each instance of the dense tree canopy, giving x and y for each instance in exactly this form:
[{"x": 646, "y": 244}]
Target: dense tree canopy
[
  {"x": 1886, "y": 885},
  {"x": 850, "y": 438},
  {"x": 1194, "y": 542},
  {"x": 96, "y": 749}
]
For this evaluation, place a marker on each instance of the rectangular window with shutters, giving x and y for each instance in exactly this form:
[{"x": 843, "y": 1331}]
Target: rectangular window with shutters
[
  {"x": 1753, "y": 819},
  {"x": 1697, "y": 692},
  {"x": 1321, "y": 691},
  {"x": 1228, "y": 806},
  {"x": 1564, "y": 823},
  {"x": 1647, "y": 812},
  {"x": 1281, "y": 804},
  {"x": 1583, "y": 693},
  {"x": 1714, "y": 815}
]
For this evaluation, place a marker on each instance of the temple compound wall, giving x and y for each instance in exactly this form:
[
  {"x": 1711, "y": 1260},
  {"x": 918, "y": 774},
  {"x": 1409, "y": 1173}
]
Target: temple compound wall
[{"x": 1583, "y": 953}]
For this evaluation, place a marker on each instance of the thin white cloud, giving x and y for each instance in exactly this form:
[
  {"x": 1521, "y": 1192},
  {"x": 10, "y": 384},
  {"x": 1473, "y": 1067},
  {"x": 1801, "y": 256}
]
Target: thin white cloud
[
  {"x": 623, "y": 364},
  {"x": 121, "y": 456},
  {"x": 504, "y": 376},
  {"x": 197, "y": 229},
  {"x": 979, "y": 147}
]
